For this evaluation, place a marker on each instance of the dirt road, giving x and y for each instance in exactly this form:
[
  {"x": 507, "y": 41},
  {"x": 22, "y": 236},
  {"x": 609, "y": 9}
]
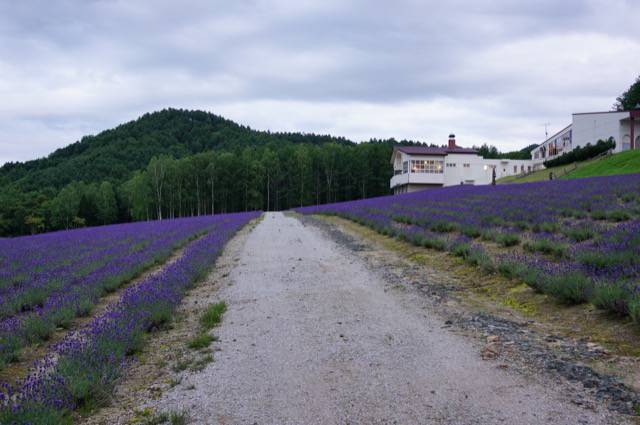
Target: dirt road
[{"x": 312, "y": 336}]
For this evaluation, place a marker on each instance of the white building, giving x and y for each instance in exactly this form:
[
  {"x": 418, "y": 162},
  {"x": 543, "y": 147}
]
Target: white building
[
  {"x": 589, "y": 127},
  {"x": 420, "y": 167}
]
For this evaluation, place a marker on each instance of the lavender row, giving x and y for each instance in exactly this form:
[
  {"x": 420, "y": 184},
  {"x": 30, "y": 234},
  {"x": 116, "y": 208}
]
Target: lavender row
[
  {"x": 83, "y": 368},
  {"x": 578, "y": 239},
  {"x": 57, "y": 277}
]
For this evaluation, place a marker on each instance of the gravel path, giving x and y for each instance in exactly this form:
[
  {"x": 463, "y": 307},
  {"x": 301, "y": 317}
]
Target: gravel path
[{"x": 314, "y": 337}]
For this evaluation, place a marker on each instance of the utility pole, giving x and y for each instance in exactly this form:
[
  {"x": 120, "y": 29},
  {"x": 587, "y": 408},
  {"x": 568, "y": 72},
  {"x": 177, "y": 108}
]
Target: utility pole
[{"x": 546, "y": 128}]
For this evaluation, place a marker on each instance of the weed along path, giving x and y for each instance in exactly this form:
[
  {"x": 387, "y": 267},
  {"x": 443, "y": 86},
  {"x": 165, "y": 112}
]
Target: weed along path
[{"x": 313, "y": 336}]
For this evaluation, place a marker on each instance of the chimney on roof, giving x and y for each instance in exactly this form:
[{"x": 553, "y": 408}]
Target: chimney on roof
[{"x": 452, "y": 141}]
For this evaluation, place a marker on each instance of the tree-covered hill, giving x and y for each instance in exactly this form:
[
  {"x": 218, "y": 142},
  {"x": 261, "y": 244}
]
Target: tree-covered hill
[
  {"x": 113, "y": 154},
  {"x": 176, "y": 163}
]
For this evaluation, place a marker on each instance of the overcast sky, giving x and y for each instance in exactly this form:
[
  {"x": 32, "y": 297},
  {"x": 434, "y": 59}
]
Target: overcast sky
[{"x": 491, "y": 71}]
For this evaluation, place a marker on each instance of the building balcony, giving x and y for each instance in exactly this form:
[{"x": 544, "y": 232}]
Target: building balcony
[{"x": 417, "y": 178}]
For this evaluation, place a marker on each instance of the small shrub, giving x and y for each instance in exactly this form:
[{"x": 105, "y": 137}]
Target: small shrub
[
  {"x": 488, "y": 235},
  {"x": 63, "y": 317},
  {"x": 570, "y": 288},
  {"x": 612, "y": 298},
  {"x": 629, "y": 197},
  {"x": 87, "y": 379},
  {"x": 35, "y": 413},
  {"x": 461, "y": 250},
  {"x": 9, "y": 350},
  {"x": 478, "y": 257},
  {"x": 213, "y": 315},
  {"x": 200, "y": 341},
  {"x": 606, "y": 260},
  {"x": 521, "y": 225},
  {"x": 549, "y": 227},
  {"x": 173, "y": 418},
  {"x": 546, "y": 246},
  {"x": 444, "y": 226},
  {"x": 201, "y": 363},
  {"x": 618, "y": 215},
  {"x": 634, "y": 308},
  {"x": 578, "y": 234},
  {"x": 511, "y": 269},
  {"x": 507, "y": 239},
  {"x": 160, "y": 315},
  {"x": 599, "y": 215},
  {"x": 36, "y": 329},
  {"x": 434, "y": 243},
  {"x": 471, "y": 231},
  {"x": 85, "y": 307},
  {"x": 179, "y": 418},
  {"x": 182, "y": 365}
]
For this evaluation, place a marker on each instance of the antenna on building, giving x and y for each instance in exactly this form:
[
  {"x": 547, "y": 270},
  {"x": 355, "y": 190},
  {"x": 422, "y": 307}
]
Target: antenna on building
[{"x": 546, "y": 128}]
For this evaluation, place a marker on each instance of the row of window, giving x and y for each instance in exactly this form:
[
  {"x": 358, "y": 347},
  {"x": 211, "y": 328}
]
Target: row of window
[{"x": 428, "y": 166}]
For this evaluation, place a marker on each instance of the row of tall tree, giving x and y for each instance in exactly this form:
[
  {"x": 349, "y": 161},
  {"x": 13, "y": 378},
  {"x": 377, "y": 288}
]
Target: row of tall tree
[{"x": 271, "y": 177}]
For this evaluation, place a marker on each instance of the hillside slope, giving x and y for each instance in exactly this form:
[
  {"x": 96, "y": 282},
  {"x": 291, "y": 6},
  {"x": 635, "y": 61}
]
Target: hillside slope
[
  {"x": 621, "y": 163},
  {"x": 113, "y": 154}
]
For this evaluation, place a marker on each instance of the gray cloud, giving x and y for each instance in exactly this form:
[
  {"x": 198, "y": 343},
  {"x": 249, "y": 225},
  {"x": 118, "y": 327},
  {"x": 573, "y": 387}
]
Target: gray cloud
[{"x": 490, "y": 70}]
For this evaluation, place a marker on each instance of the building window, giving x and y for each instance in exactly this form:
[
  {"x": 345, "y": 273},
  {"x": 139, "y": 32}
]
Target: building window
[
  {"x": 466, "y": 165},
  {"x": 515, "y": 168},
  {"x": 451, "y": 164},
  {"x": 405, "y": 167},
  {"x": 427, "y": 166}
]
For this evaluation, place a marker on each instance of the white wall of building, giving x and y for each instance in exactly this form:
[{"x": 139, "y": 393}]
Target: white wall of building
[
  {"x": 591, "y": 127},
  {"x": 559, "y": 143},
  {"x": 456, "y": 169}
]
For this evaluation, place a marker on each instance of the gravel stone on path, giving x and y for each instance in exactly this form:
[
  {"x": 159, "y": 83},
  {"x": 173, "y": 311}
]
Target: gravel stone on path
[{"x": 313, "y": 336}]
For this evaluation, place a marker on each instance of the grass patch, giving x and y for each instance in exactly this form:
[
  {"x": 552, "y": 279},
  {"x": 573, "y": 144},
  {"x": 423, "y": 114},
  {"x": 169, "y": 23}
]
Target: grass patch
[
  {"x": 200, "y": 341},
  {"x": 523, "y": 307},
  {"x": 171, "y": 417},
  {"x": 201, "y": 363},
  {"x": 213, "y": 315},
  {"x": 627, "y": 162},
  {"x": 182, "y": 365}
]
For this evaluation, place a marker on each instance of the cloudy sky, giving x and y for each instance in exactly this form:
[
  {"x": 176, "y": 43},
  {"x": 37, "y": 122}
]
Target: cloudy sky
[{"x": 489, "y": 70}]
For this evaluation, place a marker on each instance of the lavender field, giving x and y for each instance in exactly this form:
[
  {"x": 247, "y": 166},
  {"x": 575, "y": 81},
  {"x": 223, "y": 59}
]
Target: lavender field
[
  {"x": 48, "y": 280},
  {"x": 577, "y": 240}
]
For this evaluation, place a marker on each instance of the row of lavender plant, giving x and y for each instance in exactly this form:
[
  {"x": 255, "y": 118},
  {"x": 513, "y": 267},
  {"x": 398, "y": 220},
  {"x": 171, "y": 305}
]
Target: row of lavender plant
[
  {"x": 48, "y": 280},
  {"x": 578, "y": 240},
  {"x": 82, "y": 370}
]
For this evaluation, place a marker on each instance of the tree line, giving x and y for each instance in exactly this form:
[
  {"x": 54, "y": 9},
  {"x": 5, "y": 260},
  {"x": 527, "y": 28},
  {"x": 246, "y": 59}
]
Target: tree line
[{"x": 273, "y": 177}]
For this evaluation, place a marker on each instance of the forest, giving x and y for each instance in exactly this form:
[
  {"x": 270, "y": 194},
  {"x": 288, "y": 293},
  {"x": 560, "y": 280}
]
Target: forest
[{"x": 178, "y": 163}]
